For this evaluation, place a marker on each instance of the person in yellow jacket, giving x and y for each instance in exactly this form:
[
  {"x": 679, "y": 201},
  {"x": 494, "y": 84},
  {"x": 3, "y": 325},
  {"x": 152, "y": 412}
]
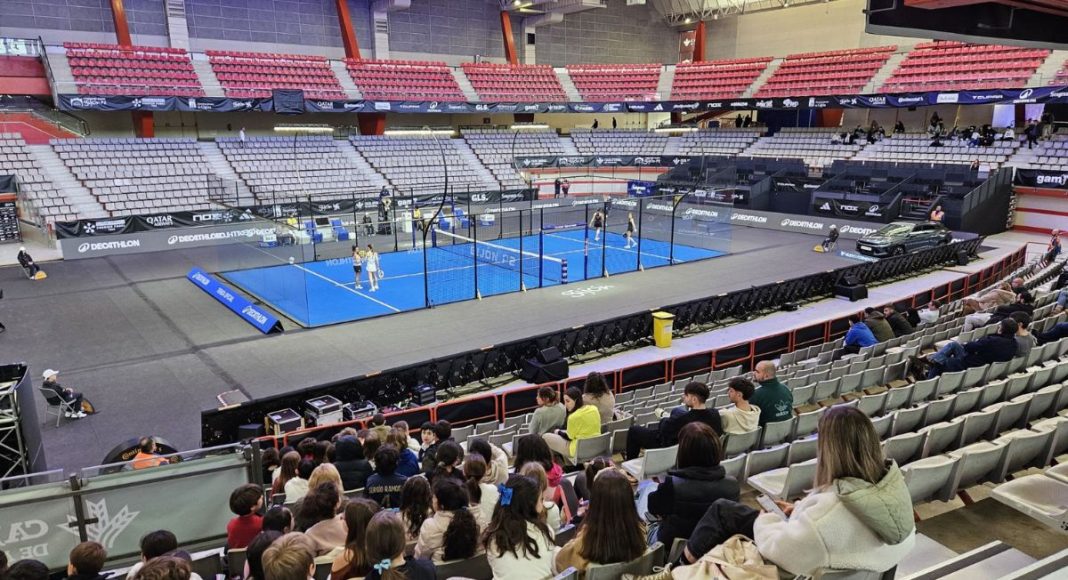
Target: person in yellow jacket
[{"x": 583, "y": 422}]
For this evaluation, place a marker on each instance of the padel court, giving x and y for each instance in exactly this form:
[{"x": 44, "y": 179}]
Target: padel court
[{"x": 323, "y": 292}]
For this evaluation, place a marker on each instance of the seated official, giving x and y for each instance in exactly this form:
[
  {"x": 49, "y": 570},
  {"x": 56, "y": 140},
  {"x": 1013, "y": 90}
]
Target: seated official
[
  {"x": 71, "y": 397},
  {"x": 666, "y": 433}
]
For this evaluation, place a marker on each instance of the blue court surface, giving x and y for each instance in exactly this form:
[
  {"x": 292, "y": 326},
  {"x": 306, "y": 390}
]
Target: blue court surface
[{"x": 323, "y": 292}]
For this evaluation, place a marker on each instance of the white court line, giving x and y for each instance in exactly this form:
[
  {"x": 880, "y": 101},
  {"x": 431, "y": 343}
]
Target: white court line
[
  {"x": 608, "y": 247},
  {"x": 332, "y": 281}
]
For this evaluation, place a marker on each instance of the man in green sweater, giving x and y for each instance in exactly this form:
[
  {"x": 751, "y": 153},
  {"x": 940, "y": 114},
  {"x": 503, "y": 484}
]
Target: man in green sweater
[{"x": 775, "y": 401}]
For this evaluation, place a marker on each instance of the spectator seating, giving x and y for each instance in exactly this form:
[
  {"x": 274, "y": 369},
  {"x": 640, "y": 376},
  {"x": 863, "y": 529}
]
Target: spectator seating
[
  {"x": 255, "y": 74},
  {"x": 812, "y": 145},
  {"x": 1049, "y": 155},
  {"x": 1062, "y": 75},
  {"x": 618, "y": 142},
  {"x": 286, "y": 168},
  {"x": 615, "y": 82},
  {"x": 400, "y": 80},
  {"x": 722, "y": 141},
  {"x": 916, "y": 147},
  {"x": 826, "y": 73},
  {"x": 952, "y": 66},
  {"x": 48, "y": 203},
  {"x": 109, "y": 69},
  {"x": 716, "y": 79},
  {"x": 413, "y": 164},
  {"x": 141, "y": 176},
  {"x": 519, "y": 82},
  {"x": 495, "y": 150}
]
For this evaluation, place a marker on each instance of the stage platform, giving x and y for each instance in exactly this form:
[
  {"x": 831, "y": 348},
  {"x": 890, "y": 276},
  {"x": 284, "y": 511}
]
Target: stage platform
[{"x": 151, "y": 350}]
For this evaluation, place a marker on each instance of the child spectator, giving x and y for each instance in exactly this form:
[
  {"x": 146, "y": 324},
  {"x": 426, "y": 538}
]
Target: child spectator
[
  {"x": 291, "y": 557},
  {"x": 245, "y": 502},
  {"x": 353, "y": 561},
  {"x": 415, "y": 505},
  {"x": 384, "y": 486},
  {"x": 278, "y": 519},
  {"x": 385, "y": 547},
  {"x": 518, "y": 544},
  {"x": 481, "y": 495},
  {"x": 86, "y": 561},
  {"x": 407, "y": 460},
  {"x": 254, "y": 554},
  {"x": 452, "y": 532}
]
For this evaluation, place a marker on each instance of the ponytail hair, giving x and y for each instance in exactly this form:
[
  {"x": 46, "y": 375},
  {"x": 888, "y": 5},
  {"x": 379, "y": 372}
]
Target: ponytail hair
[
  {"x": 474, "y": 471},
  {"x": 385, "y": 541},
  {"x": 447, "y": 456},
  {"x": 461, "y": 537}
]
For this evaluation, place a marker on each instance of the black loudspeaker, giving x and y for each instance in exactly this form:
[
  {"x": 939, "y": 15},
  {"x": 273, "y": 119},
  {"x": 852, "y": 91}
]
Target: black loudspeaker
[
  {"x": 250, "y": 431},
  {"x": 850, "y": 280},
  {"x": 536, "y": 372},
  {"x": 962, "y": 258},
  {"x": 548, "y": 355},
  {"x": 850, "y": 287}
]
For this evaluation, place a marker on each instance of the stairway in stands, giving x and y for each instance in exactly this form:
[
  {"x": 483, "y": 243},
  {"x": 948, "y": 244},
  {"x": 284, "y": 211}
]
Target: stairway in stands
[
  {"x": 884, "y": 72},
  {"x": 349, "y": 152},
  {"x": 486, "y": 178},
  {"x": 221, "y": 167},
  {"x": 763, "y": 78},
  {"x": 568, "y": 85},
  {"x": 81, "y": 199},
  {"x": 345, "y": 79}
]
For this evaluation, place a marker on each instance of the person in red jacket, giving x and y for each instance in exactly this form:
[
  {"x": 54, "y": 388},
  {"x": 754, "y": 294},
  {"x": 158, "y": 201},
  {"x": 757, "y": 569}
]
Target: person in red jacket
[{"x": 245, "y": 502}]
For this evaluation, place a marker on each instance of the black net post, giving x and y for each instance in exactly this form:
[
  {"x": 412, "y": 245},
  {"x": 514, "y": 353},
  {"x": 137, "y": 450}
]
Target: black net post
[
  {"x": 604, "y": 239},
  {"x": 474, "y": 258},
  {"x": 638, "y": 234}
]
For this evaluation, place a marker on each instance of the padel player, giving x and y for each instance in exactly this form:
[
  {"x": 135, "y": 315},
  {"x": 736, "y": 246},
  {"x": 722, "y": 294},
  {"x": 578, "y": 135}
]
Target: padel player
[
  {"x": 373, "y": 267},
  {"x": 631, "y": 228},
  {"x": 357, "y": 266},
  {"x": 598, "y": 224}
]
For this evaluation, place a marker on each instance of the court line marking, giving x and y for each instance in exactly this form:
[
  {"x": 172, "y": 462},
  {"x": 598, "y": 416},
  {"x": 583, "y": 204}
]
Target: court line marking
[
  {"x": 332, "y": 281},
  {"x": 608, "y": 247}
]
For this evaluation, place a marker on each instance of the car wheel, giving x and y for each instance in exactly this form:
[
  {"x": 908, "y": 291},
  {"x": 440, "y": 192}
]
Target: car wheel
[{"x": 898, "y": 251}]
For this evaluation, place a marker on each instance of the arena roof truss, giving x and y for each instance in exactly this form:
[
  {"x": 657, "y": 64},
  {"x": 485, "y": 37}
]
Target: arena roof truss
[{"x": 683, "y": 12}]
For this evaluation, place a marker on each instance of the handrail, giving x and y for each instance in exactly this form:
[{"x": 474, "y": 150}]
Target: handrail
[{"x": 48, "y": 70}]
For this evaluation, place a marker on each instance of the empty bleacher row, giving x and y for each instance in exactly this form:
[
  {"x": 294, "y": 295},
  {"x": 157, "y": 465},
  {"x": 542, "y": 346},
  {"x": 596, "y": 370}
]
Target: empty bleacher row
[
  {"x": 399, "y": 80},
  {"x": 826, "y": 73},
  {"x": 49, "y": 203},
  {"x": 106, "y": 69},
  {"x": 415, "y": 163},
  {"x": 916, "y": 147},
  {"x": 141, "y": 176},
  {"x": 497, "y": 149},
  {"x": 615, "y": 82},
  {"x": 519, "y": 82},
  {"x": 723, "y": 141},
  {"x": 618, "y": 142},
  {"x": 716, "y": 79},
  {"x": 1049, "y": 155},
  {"x": 286, "y": 168},
  {"x": 814, "y": 146},
  {"x": 940, "y": 66},
  {"x": 254, "y": 74}
]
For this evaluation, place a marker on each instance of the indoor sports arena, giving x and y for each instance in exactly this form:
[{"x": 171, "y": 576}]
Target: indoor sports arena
[{"x": 533, "y": 289}]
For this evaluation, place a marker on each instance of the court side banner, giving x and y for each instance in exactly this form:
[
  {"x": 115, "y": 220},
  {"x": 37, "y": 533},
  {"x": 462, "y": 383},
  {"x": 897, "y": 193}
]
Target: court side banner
[
  {"x": 1037, "y": 178},
  {"x": 226, "y": 296}
]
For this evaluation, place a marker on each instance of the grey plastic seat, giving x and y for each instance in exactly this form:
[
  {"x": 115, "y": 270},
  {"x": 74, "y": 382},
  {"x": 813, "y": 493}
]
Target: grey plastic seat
[
  {"x": 931, "y": 478},
  {"x": 654, "y": 462},
  {"x": 776, "y": 432},
  {"x": 923, "y": 390},
  {"x": 1025, "y": 449},
  {"x": 1042, "y": 402},
  {"x": 872, "y": 405},
  {"x": 883, "y": 425},
  {"x": 741, "y": 442},
  {"x": 905, "y": 447},
  {"x": 766, "y": 459},
  {"x": 785, "y": 483},
  {"x": 803, "y": 395},
  {"x": 897, "y": 398},
  {"x": 942, "y": 437},
  {"x": 909, "y": 420},
  {"x": 640, "y": 566},
  {"x": 992, "y": 393},
  {"x": 807, "y": 423},
  {"x": 735, "y": 466},
  {"x": 591, "y": 447},
  {"x": 964, "y": 402},
  {"x": 938, "y": 410},
  {"x": 979, "y": 463}
]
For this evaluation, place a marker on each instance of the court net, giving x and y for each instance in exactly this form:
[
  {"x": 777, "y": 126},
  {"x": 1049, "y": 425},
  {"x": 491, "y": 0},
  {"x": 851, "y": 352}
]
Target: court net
[{"x": 520, "y": 261}]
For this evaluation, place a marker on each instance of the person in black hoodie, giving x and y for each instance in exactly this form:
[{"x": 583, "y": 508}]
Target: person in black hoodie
[
  {"x": 666, "y": 433},
  {"x": 86, "y": 561},
  {"x": 350, "y": 462},
  {"x": 898, "y": 320},
  {"x": 690, "y": 489},
  {"x": 1025, "y": 302}
]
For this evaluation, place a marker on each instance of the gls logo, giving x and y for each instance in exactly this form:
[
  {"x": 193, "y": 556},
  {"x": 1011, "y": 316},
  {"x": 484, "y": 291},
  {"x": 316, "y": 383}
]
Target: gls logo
[{"x": 479, "y": 197}]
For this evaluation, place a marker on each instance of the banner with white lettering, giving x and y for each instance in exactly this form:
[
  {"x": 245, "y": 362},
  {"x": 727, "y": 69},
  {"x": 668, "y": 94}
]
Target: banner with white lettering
[
  {"x": 229, "y": 298},
  {"x": 1038, "y": 178}
]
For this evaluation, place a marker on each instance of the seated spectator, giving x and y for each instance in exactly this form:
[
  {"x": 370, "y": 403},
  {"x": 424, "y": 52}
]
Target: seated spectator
[
  {"x": 531, "y": 448},
  {"x": 929, "y": 315},
  {"x": 296, "y": 487},
  {"x": 857, "y": 517},
  {"x": 379, "y": 427},
  {"x": 325, "y": 473},
  {"x": 481, "y": 495},
  {"x": 1053, "y": 249},
  {"x": 583, "y": 421},
  {"x": 86, "y": 561},
  {"x": 899, "y": 127},
  {"x": 352, "y": 562},
  {"x": 147, "y": 455},
  {"x": 858, "y": 336},
  {"x": 1057, "y": 332},
  {"x": 306, "y": 448},
  {"x": 155, "y": 545},
  {"x": 666, "y": 433},
  {"x": 412, "y": 444},
  {"x": 386, "y": 545},
  {"x": 898, "y": 321},
  {"x": 271, "y": 461},
  {"x": 322, "y": 453},
  {"x": 407, "y": 460},
  {"x": 775, "y": 401},
  {"x": 448, "y": 456},
  {"x": 286, "y": 471},
  {"x": 278, "y": 519},
  {"x": 1025, "y": 302},
  {"x": 320, "y": 510},
  {"x": 548, "y": 509},
  {"x": 550, "y": 414},
  {"x": 452, "y": 532},
  {"x": 876, "y": 321},
  {"x": 170, "y": 567},
  {"x": 416, "y": 502},
  {"x": 998, "y": 347},
  {"x": 27, "y": 569},
  {"x": 596, "y": 392},
  {"x": 741, "y": 417},
  {"x": 496, "y": 460},
  {"x": 1025, "y": 341},
  {"x": 1001, "y": 295},
  {"x": 291, "y": 557},
  {"x": 26, "y": 261},
  {"x": 245, "y": 502},
  {"x": 432, "y": 434},
  {"x": 385, "y": 484},
  {"x": 254, "y": 554},
  {"x": 351, "y": 464},
  {"x": 611, "y": 531},
  {"x": 694, "y": 485},
  {"x": 518, "y": 543},
  {"x": 1062, "y": 301},
  {"x": 1018, "y": 285}
]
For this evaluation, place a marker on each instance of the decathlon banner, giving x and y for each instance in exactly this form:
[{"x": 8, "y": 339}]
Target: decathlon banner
[{"x": 235, "y": 302}]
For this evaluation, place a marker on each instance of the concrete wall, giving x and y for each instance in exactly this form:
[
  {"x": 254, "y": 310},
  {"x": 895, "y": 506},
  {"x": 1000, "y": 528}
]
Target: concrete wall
[
  {"x": 615, "y": 34},
  {"x": 282, "y": 22},
  {"x": 456, "y": 27},
  {"x": 809, "y": 28},
  {"x": 17, "y": 17}
]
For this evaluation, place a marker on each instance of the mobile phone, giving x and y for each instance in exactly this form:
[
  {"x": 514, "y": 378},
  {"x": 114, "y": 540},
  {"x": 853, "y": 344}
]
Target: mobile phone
[{"x": 768, "y": 504}]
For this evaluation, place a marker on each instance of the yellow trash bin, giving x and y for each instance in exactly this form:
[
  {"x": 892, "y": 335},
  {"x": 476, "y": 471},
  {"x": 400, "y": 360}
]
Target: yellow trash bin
[{"x": 662, "y": 322}]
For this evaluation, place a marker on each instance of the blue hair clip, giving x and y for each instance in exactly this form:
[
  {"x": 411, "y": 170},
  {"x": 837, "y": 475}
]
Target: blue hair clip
[
  {"x": 383, "y": 565},
  {"x": 506, "y": 494}
]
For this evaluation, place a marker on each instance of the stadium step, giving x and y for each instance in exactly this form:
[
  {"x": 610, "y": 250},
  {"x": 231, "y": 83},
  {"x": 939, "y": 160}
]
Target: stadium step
[
  {"x": 993, "y": 560},
  {"x": 206, "y": 75},
  {"x": 487, "y": 178},
  {"x": 343, "y": 77},
  {"x": 221, "y": 167},
  {"x": 568, "y": 85},
  {"x": 884, "y": 72},
  {"x": 62, "y": 77},
  {"x": 663, "y": 86},
  {"x": 349, "y": 152},
  {"x": 81, "y": 199},
  {"x": 177, "y": 24},
  {"x": 465, "y": 84},
  {"x": 763, "y": 78},
  {"x": 674, "y": 146},
  {"x": 569, "y": 146}
]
